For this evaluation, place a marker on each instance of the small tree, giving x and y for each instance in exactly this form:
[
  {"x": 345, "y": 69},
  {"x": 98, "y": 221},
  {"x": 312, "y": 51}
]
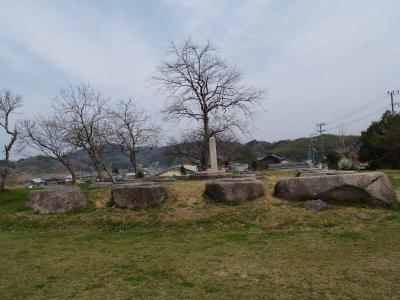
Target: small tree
[
  {"x": 49, "y": 137},
  {"x": 332, "y": 159},
  {"x": 200, "y": 86},
  {"x": 380, "y": 143},
  {"x": 182, "y": 170},
  {"x": 133, "y": 129},
  {"x": 9, "y": 104},
  {"x": 85, "y": 117}
]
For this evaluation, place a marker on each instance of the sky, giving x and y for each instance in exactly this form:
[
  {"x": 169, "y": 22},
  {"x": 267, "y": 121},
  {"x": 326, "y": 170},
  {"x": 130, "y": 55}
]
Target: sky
[{"x": 329, "y": 61}]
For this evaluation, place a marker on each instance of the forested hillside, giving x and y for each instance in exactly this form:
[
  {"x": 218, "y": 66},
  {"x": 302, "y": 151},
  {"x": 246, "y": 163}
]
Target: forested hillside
[{"x": 296, "y": 150}]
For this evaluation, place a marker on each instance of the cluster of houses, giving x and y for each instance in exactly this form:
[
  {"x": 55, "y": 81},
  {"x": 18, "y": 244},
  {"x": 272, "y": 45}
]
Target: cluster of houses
[{"x": 270, "y": 162}]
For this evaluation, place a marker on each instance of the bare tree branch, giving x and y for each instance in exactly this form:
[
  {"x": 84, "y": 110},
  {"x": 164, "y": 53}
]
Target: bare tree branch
[
  {"x": 49, "y": 137},
  {"x": 133, "y": 129},
  {"x": 84, "y": 114},
  {"x": 9, "y": 104},
  {"x": 199, "y": 85}
]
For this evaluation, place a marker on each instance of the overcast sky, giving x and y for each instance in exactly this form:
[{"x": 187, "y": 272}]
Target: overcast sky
[{"x": 318, "y": 60}]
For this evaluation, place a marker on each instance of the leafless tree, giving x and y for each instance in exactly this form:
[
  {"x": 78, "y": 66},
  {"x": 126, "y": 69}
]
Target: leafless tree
[
  {"x": 187, "y": 149},
  {"x": 9, "y": 104},
  {"x": 49, "y": 137},
  {"x": 84, "y": 114},
  {"x": 201, "y": 86},
  {"x": 133, "y": 129}
]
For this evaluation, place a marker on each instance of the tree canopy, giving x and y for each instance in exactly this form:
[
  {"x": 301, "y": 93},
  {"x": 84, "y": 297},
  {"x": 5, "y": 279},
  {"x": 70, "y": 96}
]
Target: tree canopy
[{"x": 381, "y": 142}]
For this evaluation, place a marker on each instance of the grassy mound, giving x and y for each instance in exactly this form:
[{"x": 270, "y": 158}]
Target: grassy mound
[{"x": 191, "y": 247}]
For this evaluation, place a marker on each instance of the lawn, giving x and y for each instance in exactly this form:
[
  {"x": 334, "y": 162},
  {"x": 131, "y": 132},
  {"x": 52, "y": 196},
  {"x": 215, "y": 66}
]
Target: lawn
[{"x": 189, "y": 247}]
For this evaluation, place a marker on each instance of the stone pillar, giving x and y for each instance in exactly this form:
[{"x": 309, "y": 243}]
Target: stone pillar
[{"x": 213, "y": 154}]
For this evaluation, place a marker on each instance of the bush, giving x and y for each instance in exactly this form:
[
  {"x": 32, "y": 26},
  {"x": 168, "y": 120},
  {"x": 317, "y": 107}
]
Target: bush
[
  {"x": 140, "y": 173},
  {"x": 345, "y": 164},
  {"x": 183, "y": 170}
]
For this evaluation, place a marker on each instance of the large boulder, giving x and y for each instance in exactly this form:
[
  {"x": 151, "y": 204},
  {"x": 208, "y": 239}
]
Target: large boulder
[
  {"x": 137, "y": 196},
  {"x": 56, "y": 200},
  {"x": 369, "y": 188},
  {"x": 234, "y": 189}
]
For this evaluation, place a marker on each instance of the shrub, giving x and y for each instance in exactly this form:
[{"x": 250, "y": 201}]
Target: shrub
[
  {"x": 345, "y": 164},
  {"x": 140, "y": 173},
  {"x": 183, "y": 170}
]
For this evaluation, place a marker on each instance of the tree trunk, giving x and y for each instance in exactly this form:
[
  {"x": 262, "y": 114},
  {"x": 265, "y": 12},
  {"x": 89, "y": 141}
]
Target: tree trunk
[
  {"x": 132, "y": 157},
  {"x": 109, "y": 174},
  {"x": 3, "y": 179},
  {"x": 4, "y": 171},
  {"x": 72, "y": 172},
  {"x": 95, "y": 164}
]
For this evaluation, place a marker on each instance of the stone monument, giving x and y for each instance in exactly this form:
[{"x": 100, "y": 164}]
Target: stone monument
[
  {"x": 213, "y": 154},
  {"x": 213, "y": 171}
]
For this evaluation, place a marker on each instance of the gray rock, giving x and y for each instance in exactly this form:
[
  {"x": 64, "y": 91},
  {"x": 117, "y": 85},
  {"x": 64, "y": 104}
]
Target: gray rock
[
  {"x": 234, "y": 189},
  {"x": 56, "y": 200},
  {"x": 363, "y": 216},
  {"x": 369, "y": 188},
  {"x": 137, "y": 196},
  {"x": 316, "y": 205}
]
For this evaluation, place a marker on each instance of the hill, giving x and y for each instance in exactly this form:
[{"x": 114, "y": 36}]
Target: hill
[{"x": 296, "y": 150}]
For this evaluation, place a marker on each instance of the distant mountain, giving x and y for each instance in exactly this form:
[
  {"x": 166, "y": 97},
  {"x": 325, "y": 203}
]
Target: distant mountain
[{"x": 296, "y": 150}]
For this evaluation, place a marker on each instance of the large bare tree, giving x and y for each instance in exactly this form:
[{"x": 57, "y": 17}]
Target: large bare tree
[
  {"x": 49, "y": 137},
  {"x": 9, "y": 104},
  {"x": 201, "y": 86},
  {"x": 133, "y": 129},
  {"x": 85, "y": 117}
]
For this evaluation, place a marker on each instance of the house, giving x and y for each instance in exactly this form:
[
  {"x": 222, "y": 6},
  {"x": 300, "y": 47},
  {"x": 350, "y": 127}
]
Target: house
[
  {"x": 176, "y": 170},
  {"x": 237, "y": 167},
  {"x": 263, "y": 163}
]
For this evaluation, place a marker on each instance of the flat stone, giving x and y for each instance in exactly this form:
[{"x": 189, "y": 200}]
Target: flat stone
[
  {"x": 316, "y": 205},
  {"x": 137, "y": 196},
  {"x": 234, "y": 189},
  {"x": 209, "y": 175},
  {"x": 323, "y": 172},
  {"x": 372, "y": 188},
  {"x": 56, "y": 200}
]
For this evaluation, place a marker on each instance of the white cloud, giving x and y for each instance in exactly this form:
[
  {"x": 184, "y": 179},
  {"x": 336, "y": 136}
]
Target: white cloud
[{"x": 317, "y": 59}]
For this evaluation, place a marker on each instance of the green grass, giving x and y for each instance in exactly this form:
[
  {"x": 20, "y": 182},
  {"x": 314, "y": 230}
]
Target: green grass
[{"x": 192, "y": 248}]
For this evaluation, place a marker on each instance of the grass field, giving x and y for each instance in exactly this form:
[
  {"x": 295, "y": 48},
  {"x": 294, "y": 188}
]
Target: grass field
[{"x": 189, "y": 247}]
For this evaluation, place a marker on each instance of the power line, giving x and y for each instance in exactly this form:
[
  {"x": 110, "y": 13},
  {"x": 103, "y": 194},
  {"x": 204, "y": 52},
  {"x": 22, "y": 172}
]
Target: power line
[
  {"x": 358, "y": 109},
  {"x": 358, "y": 119}
]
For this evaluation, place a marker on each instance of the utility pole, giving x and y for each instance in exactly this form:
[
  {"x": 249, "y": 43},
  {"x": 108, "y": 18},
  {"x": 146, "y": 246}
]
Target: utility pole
[
  {"x": 391, "y": 94},
  {"x": 320, "y": 130},
  {"x": 311, "y": 150}
]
